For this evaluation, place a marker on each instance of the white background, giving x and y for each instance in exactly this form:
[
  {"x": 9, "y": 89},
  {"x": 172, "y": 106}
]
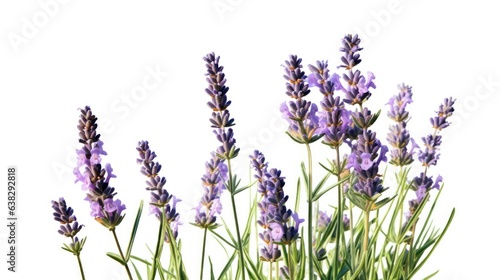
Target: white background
[{"x": 60, "y": 56}]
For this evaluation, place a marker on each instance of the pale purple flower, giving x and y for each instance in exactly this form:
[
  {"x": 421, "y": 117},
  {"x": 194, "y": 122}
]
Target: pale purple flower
[
  {"x": 213, "y": 184},
  {"x": 160, "y": 198},
  {"x": 94, "y": 178},
  {"x": 398, "y": 136}
]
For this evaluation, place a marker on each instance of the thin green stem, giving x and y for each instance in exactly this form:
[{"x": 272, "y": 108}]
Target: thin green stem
[
  {"x": 231, "y": 187},
  {"x": 79, "y": 260},
  {"x": 121, "y": 253},
  {"x": 339, "y": 214},
  {"x": 310, "y": 213},
  {"x": 203, "y": 252},
  {"x": 366, "y": 237}
]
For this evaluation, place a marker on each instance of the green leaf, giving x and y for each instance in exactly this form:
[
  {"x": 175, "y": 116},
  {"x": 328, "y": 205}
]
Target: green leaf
[
  {"x": 212, "y": 276},
  {"x": 317, "y": 195},
  {"x": 139, "y": 277},
  {"x": 222, "y": 238},
  {"x": 134, "y": 231},
  {"x": 228, "y": 265},
  {"x": 116, "y": 257}
]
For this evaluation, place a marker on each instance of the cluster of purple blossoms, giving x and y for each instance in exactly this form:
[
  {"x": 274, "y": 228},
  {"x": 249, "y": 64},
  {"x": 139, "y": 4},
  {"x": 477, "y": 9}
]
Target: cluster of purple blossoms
[
  {"x": 367, "y": 152},
  {"x": 161, "y": 199},
  {"x": 64, "y": 215},
  {"x": 221, "y": 119},
  {"x": 324, "y": 220},
  {"x": 300, "y": 113},
  {"x": 428, "y": 156},
  {"x": 274, "y": 217},
  {"x": 213, "y": 184},
  {"x": 358, "y": 87},
  {"x": 334, "y": 120},
  {"x": 94, "y": 178},
  {"x": 398, "y": 136}
]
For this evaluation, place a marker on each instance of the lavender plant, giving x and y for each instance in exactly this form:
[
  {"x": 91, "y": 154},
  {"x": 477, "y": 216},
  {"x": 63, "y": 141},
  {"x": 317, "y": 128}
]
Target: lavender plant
[
  {"x": 163, "y": 206},
  {"x": 69, "y": 228},
  {"x": 379, "y": 228}
]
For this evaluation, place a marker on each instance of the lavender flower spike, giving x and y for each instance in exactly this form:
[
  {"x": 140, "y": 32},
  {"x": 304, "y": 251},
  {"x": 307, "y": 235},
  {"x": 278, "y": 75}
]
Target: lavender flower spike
[
  {"x": 213, "y": 184},
  {"x": 64, "y": 215},
  {"x": 160, "y": 197},
  {"x": 398, "y": 136},
  {"x": 334, "y": 120},
  {"x": 430, "y": 155},
  {"x": 367, "y": 154},
  {"x": 221, "y": 119},
  {"x": 279, "y": 223},
  {"x": 69, "y": 227},
  {"x": 357, "y": 90},
  {"x": 300, "y": 113},
  {"x": 94, "y": 177}
]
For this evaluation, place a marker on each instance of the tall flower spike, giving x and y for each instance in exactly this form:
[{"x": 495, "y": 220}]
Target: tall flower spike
[
  {"x": 213, "y": 185},
  {"x": 94, "y": 177},
  {"x": 334, "y": 120},
  {"x": 358, "y": 87},
  {"x": 221, "y": 119},
  {"x": 280, "y": 224},
  {"x": 429, "y": 156},
  {"x": 398, "y": 136},
  {"x": 300, "y": 113},
  {"x": 160, "y": 197}
]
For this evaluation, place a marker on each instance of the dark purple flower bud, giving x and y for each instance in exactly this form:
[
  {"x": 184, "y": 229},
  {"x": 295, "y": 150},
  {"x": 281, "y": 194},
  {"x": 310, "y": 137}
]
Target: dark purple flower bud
[
  {"x": 160, "y": 198},
  {"x": 445, "y": 110},
  {"x": 64, "y": 215},
  {"x": 296, "y": 88}
]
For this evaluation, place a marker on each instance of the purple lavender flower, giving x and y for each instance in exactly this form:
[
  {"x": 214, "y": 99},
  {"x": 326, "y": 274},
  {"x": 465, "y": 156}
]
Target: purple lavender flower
[
  {"x": 430, "y": 155},
  {"x": 161, "y": 199},
  {"x": 358, "y": 87},
  {"x": 398, "y": 136},
  {"x": 64, "y": 215},
  {"x": 300, "y": 114},
  {"x": 94, "y": 178},
  {"x": 334, "y": 120},
  {"x": 367, "y": 154},
  {"x": 275, "y": 218},
  {"x": 323, "y": 220},
  {"x": 213, "y": 184},
  {"x": 221, "y": 119}
]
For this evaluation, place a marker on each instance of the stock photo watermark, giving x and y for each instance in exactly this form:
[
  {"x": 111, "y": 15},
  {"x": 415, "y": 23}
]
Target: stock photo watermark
[
  {"x": 31, "y": 25},
  {"x": 484, "y": 90},
  {"x": 121, "y": 107},
  {"x": 223, "y": 7},
  {"x": 380, "y": 19}
]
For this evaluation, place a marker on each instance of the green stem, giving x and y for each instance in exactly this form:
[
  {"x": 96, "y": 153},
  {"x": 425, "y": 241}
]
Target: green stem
[
  {"x": 79, "y": 261},
  {"x": 231, "y": 188},
  {"x": 121, "y": 253},
  {"x": 310, "y": 212},
  {"x": 340, "y": 210},
  {"x": 203, "y": 253},
  {"x": 366, "y": 236}
]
